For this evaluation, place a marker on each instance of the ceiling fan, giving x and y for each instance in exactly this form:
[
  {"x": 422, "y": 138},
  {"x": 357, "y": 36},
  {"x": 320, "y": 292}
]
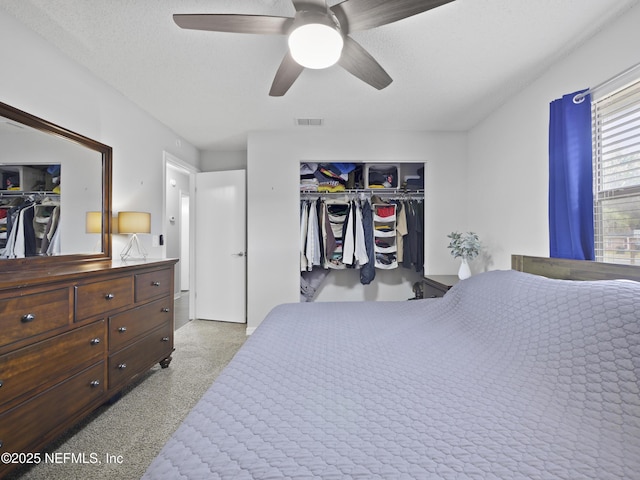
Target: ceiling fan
[{"x": 318, "y": 34}]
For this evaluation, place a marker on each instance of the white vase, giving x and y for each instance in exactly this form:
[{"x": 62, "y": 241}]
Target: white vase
[{"x": 464, "y": 271}]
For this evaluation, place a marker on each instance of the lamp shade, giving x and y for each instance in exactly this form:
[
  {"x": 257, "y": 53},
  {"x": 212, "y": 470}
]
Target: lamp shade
[
  {"x": 134, "y": 222},
  {"x": 316, "y": 45},
  {"x": 94, "y": 222}
]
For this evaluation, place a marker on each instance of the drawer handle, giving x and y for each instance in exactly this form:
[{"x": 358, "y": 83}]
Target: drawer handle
[
  {"x": 94, "y": 383},
  {"x": 155, "y": 284},
  {"x": 109, "y": 296},
  {"x": 122, "y": 329},
  {"x": 95, "y": 341},
  {"x": 165, "y": 339},
  {"x": 28, "y": 317},
  {"x": 122, "y": 366},
  {"x": 1, "y": 383},
  {"x": 165, "y": 310}
]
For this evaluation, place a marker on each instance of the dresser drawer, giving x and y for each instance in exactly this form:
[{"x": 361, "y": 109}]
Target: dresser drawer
[
  {"x": 126, "y": 327},
  {"x": 101, "y": 297},
  {"x": 140, "y": 356},
  {"x": 28, "y": 424},
  {"x": 31, "y": 367},
  {"x": 27, "y": 315},
  {"x": 153, "y": 284}
]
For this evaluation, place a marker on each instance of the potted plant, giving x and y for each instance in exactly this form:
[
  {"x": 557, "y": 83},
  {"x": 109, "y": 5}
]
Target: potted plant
[{"x": 465, "y": 246}]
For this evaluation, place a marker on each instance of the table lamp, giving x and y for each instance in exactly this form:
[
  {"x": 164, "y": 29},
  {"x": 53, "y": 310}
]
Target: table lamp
[{"x": 134, "y": 223}]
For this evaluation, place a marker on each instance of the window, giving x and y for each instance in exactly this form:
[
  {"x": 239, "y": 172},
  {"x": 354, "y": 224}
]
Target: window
[{"x": 616, "y": 154}]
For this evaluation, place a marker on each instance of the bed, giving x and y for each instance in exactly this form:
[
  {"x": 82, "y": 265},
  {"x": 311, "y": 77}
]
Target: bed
[{"x": 510, "y": 375}]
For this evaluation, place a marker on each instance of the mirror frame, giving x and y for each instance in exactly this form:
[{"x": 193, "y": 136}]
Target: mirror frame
[{"x": 18, "y": 116}]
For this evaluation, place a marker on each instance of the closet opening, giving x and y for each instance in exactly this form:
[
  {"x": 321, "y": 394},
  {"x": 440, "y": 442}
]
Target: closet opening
[{"x": 361, "y": 230}]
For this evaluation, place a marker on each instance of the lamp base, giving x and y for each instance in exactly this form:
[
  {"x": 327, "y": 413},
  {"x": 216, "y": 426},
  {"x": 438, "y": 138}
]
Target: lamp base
[{"x": 133, "y": 249}]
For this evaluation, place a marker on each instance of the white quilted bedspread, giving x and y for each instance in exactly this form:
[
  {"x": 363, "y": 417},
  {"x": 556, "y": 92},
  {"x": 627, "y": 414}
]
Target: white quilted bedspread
[{"x": 509, "y": 376}]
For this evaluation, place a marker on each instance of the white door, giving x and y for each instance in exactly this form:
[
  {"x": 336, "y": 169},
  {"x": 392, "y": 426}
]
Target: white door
[{"x": 220, "y": 252}]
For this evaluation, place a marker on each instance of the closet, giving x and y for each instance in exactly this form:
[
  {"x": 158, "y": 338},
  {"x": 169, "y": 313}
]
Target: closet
[
  {"x": 29, "y": 210},
  {"x": 360, "y": 216}
]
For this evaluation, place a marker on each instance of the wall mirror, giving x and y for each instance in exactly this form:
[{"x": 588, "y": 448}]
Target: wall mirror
[{"x": 55, "y": 195}]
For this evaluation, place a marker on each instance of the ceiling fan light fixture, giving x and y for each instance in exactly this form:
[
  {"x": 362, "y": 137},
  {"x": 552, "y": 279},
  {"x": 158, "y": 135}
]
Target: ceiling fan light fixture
[{"x": 315, "y": 45}]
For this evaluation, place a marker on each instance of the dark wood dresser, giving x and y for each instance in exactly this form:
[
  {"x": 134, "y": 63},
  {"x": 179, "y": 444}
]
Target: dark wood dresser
[
  {"x": 71, "y": 337},
  {"x": 436, "y": 286}
]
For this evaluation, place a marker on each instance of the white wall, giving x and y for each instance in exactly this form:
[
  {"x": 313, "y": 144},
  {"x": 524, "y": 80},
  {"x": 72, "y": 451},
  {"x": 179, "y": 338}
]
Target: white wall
[
  {"x": 508, "y": 151},
  {"x": 215, "y": 161},
  {"x": 40, "y": 80},
  {"x": 273, "y": 165}
]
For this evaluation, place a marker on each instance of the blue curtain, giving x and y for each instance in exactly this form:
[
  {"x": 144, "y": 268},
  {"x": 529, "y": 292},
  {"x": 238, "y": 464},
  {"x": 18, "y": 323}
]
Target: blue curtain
[{"x": 571, "y": 179}]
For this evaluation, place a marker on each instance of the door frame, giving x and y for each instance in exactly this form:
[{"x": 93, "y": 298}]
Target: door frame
[
  {"x": 172, "y": 161},
  {"x": 185, "y": 251}
]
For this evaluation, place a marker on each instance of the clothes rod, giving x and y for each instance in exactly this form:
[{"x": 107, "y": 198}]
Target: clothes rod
[
  {"x": 24, "y": 193},
  {"x": 307, "y": 194},
  {"x": 380, "y": 191},
  {"x": 581, "y": 96}
]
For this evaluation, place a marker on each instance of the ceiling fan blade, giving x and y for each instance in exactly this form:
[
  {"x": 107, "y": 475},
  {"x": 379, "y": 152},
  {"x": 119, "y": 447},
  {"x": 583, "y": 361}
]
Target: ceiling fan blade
[
  {"x": 355, "y": 15},
  {"x": 287, "y": 73},
  {"x": 261, "y": 24},
  {"x": 357, "y": 61}
]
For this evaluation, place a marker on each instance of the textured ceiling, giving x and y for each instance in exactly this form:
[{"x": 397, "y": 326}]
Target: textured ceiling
[{"x": 451, "y": 66}]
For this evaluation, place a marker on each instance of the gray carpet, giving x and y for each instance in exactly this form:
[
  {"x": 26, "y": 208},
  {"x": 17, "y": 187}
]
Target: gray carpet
[{"x": 134, "y": 429}]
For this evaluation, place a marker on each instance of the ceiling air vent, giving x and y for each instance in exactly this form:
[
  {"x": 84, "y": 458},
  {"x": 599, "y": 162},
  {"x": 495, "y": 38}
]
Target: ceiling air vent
[{"x": 309, "y": 122}]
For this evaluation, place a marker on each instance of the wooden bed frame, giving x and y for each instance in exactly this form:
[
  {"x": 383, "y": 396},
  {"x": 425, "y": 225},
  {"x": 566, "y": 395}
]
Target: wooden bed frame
[{"x": 574, "y": 269}]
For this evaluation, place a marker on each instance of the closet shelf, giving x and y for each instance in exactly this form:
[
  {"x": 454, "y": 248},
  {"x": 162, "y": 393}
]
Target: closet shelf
[
  {"x": 23, "y": 193},
  {"x": 310, "y": 194}
]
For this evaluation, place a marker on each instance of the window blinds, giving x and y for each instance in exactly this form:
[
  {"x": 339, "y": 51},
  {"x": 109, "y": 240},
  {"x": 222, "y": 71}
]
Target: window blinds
[{"x": 616, "y": 142}]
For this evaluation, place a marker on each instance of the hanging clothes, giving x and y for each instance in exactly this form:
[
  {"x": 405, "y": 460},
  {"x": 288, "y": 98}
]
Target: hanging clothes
[
  {"x": 328, "y": 238},
  {"x": 337, "y": 213},
  {"x": 25, "y": 240},
  {"x": 304, "y": 218},
  {"x": 310, "y": 236},
  {"x": 45, "y": 224},
  {"x": 13, "y": 218},
  {"x": 28, "y": 224},
  {"x": 350, "y": 233},
  {"x": 401, "y": 228},
  {"x": 21, "y": 238},
  {"x": 368, "y": 270},
  {"x": 354, "y": 252},
  {"x": 313, "y": 237},
  {"x": 312, "y": 250},
  {"x": 413, "y": 248},
  {"x": 349, "y": 239},
  {"x": 361, "y": 254}
]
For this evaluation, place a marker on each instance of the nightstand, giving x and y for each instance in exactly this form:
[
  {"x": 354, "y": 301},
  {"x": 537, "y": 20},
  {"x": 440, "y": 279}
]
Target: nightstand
[{"x": 437, "y": 285}]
